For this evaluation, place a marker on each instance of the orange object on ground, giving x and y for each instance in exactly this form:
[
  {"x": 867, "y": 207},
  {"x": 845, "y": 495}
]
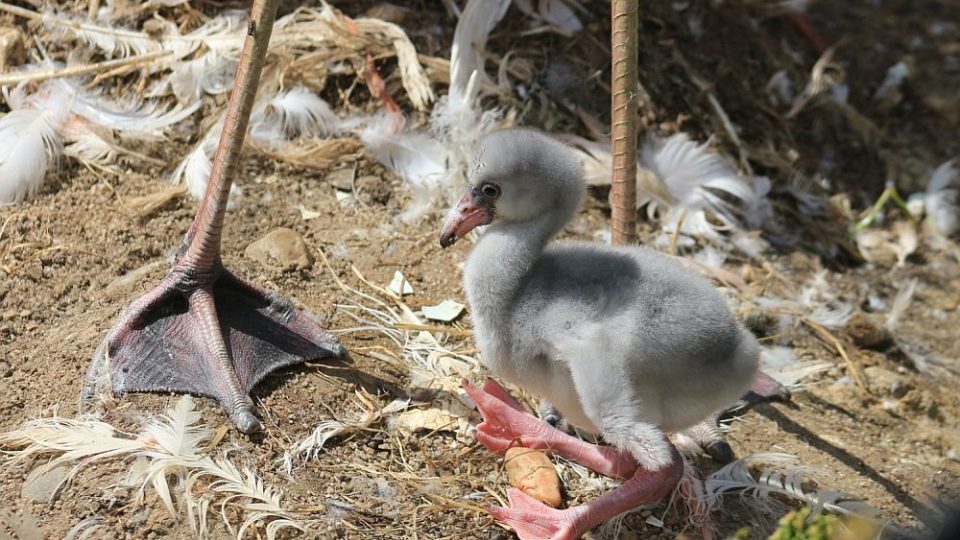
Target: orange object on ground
[{"x": 532, "y": 472}]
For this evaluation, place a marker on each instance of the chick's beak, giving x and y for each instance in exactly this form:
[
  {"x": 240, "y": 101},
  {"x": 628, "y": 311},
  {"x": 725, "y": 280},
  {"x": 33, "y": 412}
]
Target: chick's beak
[{"x": 472, "y": 211}]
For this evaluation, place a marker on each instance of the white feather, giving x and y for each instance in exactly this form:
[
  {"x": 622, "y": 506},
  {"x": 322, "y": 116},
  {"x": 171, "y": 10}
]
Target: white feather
[
  {"x": 943, "y": 198},
  {"x": 89, "y": 146},
  {"x": 422, "y": 162},
  {"x": 822, "y": 305},
  {"x": 685, "y": 186},
  {"x": 781, "y": 475},
  {"x": 900, "y": 304},
  {"x": 294, "y": 113},
  {"x": 699, "y": 184},
  {"x": 469, "y": 40},
  {"x": 112, "y": 41},
  {"x": 29, "y": 143},
  {"x": 190, "y": 79},
  {"x": 434, "y": 164},
  {"x": 144, "y": 120},
  {"x": 194, "y": 169},
  {"x": 782, "y": 364}
]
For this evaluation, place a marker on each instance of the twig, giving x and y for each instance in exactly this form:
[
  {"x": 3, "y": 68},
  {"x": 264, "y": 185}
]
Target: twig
[
  {"x": 434, "y": 328},
  {"x": 676, "y": 233},
  {"x": 853, "y": 368},
  {"x": 623, "y": 129},
  {"x": 79, "y": 71},
  {"x": 870, "y": 217}
]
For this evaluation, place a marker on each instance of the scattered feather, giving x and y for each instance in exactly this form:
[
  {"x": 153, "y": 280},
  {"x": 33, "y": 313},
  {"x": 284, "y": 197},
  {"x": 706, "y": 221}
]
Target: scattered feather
[
  {"x": 889, "y": 93},
  {"x": 29, "y": 143},
  {"x": 173, "y": 447},
  {"x": 311, "y": 446},
  {"x": 478, "y": 19},
  {"x": 700, "y": 188},
  {"x": 419, "y": 160},
  {"x": 114, "y": 42},
  {"x": 943, "y": 198},
  {"x": 782, "y": 364},
  {"x": 780, "y": 474},
  {"x": 901, "y": 303},
  {"x": 291, "y": 114},
  {"x": 822, "y": 305}
]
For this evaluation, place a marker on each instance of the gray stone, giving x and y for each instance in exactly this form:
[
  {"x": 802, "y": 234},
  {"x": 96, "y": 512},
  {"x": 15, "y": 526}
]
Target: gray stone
[
  {"x": 42, "y": 487},
  {"x": 282, "y": 249}
]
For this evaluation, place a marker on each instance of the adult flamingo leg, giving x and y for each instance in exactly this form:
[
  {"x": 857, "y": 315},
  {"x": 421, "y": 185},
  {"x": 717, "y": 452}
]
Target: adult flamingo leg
[{"x": 203, "y": 330}]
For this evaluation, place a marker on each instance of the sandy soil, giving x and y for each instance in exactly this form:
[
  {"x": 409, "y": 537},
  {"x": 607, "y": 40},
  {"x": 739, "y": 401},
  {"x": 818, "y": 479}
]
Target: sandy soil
[{"x": 75, "y": 255}]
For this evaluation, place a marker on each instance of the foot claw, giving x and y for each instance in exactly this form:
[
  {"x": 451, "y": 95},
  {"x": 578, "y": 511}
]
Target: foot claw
[
  {"x": 247, "y": 422},
  {"x": 720, "y": 451}
]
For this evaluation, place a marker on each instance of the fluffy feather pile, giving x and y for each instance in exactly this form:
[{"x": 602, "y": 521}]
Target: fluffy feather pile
[{"x": 61, "y": 118}]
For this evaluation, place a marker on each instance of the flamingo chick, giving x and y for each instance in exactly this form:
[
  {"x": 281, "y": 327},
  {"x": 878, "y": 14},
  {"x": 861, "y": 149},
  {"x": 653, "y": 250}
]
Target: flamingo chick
[{"x": 623, "y": 341}]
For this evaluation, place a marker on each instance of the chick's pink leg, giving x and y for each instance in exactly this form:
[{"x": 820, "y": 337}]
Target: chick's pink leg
[
  {"x": 532, "y": 519},
  {"x": 506, "y": 424}
]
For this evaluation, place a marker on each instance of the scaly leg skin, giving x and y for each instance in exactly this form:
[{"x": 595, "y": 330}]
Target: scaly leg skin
[
  {"x": 532, "y": 519},
  {"x": 707, "y": 433},
  {"x": 506, "y": 423},
  {"x": 203, "y": 330}
]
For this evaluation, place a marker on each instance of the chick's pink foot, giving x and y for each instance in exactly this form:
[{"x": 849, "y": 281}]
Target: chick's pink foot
[
  {"x": 506, "y": 424},
  {"x": 533, "y": 520}
]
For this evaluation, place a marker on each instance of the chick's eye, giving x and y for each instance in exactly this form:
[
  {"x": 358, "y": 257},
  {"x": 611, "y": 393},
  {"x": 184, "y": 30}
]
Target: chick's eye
[{"x": 490, "y": 190}]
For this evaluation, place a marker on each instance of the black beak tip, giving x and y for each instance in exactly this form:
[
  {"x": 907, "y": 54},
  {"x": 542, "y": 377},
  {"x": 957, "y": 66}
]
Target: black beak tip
[{"x": 447, "y": 240}]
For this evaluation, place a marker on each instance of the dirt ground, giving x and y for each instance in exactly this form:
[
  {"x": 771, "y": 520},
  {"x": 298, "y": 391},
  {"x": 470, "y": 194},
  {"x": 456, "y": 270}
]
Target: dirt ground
[{"x": 72, "y": 257}]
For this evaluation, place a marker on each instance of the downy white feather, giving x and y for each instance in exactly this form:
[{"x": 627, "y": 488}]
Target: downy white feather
[
  {"x": 822, "y": 305},
  {"x": 291, "y": 114},
  {"x": 30, "y": 141},
  {"x": 782, "y": 364},
  {"x": 456, "y": 119},
  {"x": 136, "y": 119},
  {"x": 434, "y": 165},
  {"x": 194, "y": 170},
  {"x": 422, "y": 162},
  {"x": 89, "y": 146},
  {"x": 700, "y": 186},
  {"x": 211, "y": 70},
  {"x": 901, "y": 303},
  {"x": 943, "y": 198},
  {"x": 682, "y": 184}
]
